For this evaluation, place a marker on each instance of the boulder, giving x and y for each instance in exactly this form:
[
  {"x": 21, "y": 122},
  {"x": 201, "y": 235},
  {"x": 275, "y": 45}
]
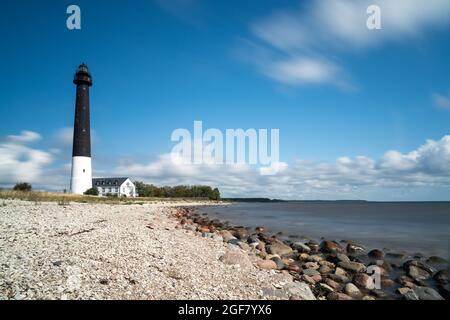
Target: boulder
[
  {"x": 363, "y": 280},
  {"x": 352, "y": 290},
  {"x": 441, "y": 277},
  {"x": 299, "y": 289},
  {"x": 240, "y": 233},
  {"x": 417, "y": 273},
  {"x": 280, "y": 264},
  {"x": 330, "y": 247},
  {"x": 301, "y": 247},
  {"x": 266, "y": 264},
  {"x": 436, "y": 260},
  {"x": 236, "y": 257},
  {"x": 323, "y": 287},
  {"x": 325, "y": 269},
  {"x": 313, "y": 245},
  {"x": 376, "y": 254},
  {"x": 279, "y": 248},
  {"x": 315, "y": 258},
  {"x": 352, "y": 266},
  {"x": 226, "y": 235},
  {"x": 311, "y": 265},
  {"x": 403, "y": 290},
  {"x": 338, "y": 296},
  {"x": 354, "y": 249},
  {"x": 422, "y": 293},
  {"x": 308, "y": 279},
  {"x": 311, "y": 272},
  {"x": 333, "y": 284}
]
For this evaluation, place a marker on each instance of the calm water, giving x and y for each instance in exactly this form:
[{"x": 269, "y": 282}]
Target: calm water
[{"x": 412, "y": 227}]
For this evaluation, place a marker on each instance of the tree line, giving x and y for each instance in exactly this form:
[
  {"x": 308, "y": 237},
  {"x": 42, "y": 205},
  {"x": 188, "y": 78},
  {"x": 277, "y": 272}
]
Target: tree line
[{"x": 150, "y": 190}]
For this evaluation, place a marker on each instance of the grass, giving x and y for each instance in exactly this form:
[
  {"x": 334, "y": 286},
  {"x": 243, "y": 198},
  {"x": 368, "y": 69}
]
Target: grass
[{"x": 65, "y": 198}]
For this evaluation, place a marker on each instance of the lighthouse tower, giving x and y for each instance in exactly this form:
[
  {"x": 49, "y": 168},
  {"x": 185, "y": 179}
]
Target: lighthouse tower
[{"x": 81, "y": 179}]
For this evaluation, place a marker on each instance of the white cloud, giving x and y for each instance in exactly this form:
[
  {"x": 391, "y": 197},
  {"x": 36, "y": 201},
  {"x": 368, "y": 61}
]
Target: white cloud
[
  {"x": 428, "y": 166},
  {"x": 442, "y": 101},
  {"x": 19, "y": 162},
  {"x": 327, "y": 28},
  {"x": 24, "y": 137}
]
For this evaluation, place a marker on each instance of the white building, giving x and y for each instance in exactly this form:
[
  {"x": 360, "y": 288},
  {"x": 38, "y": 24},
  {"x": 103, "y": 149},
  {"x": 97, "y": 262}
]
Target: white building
[{"x": 122, "y": 187}]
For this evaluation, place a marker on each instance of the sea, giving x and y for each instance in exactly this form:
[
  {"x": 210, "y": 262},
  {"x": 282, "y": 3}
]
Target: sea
[{"x": 416, "y": 228}]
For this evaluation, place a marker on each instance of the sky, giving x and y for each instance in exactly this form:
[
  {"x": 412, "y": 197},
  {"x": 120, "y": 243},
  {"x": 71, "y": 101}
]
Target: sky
[{"x": 362, "y": 114}]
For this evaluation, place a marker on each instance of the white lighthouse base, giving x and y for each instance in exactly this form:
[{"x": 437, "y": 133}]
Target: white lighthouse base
[{"x": 81, "y": 175}]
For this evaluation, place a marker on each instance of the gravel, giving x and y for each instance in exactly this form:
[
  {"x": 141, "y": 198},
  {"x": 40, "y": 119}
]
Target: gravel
[{"x": 103, "y": 251}]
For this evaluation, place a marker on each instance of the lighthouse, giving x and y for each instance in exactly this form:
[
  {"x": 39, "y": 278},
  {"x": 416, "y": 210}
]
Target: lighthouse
[{"x": 81, "y": 177}]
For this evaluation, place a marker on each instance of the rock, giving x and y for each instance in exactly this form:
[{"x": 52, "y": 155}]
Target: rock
[
  {"x": 325, "y": 269},
  {"x": 226, "y": 235},
  {"x": 244, "y": 246},
  {"x": 313, "y": 245},
  {"x": 303, "y": 257},
  {"x": 316, "y": 277},
  {"x": 354, "y": 249},
  {"x": 338, "y": 296},
  {"x": 329, "y": 264},
  {"x": 279, "y": 263},
  {"x": 234, "y": 241},
  {"x": 311, "y": 272},
  {"x": 293, "y": 268},
  {"x": 325, "y": 288},
  {"x": 417, "y": 273},
  {"x": 368, "y": 298},
  {"x": 395, "y": 255},
  {"x": 240, "y": 233},
  {"x": 342, "y": 258},
  {"x": 338, "y": 278},
  {"x": 333, "y": 284},
  {"x": 441, "y": 277},
  {"x": 266, "y": 264},
  {"x": 341, "y": 272},
  {"x": 260, "y": 229},
  {"x": 236, "y": 257},
  {"x": 352, "y": 266},
  {"x": 295, "y": 297},
  {"x": 300, "y": 289},
  {"x": 376, "y": 254},
  {"x": 420, "y": 265},
  {"x": 436, "y": 260},
  {"x": 422, "y": 293},
  {"x": 311, "y": 265},
  {"x": 261, "y": 246},
  {"x": 330, "y": 247},
  {"x": 315, "y": 258},
  {"x": 386, "y": 282},
  {"x": 301, "y": 247},
  {"x": 363, "y": 280},
  {"x": 402, "y": 291},
  {"x": 308, "y": 279},
  {"x": 352, "y": 290},
  {"x": 253, "y": 239},
  {"x": 279, "y": 248}
]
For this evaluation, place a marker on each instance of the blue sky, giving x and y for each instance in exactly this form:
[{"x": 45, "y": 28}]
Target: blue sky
[{"x": 311, "y": 68}]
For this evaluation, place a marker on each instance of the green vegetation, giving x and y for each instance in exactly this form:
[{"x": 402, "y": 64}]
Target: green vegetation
[
  {"x": 23, "y": 186},
  {"x": 91, "y": 192},
  {"x": 150, "y": 190}
]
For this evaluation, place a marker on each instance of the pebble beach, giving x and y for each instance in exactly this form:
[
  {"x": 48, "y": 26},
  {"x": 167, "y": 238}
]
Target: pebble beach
[{"x": 166, "y": 250}]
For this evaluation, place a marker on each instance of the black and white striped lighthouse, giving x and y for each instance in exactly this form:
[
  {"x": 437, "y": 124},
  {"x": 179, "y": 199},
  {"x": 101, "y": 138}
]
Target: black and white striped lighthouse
[{"x": 81, "y": 178}]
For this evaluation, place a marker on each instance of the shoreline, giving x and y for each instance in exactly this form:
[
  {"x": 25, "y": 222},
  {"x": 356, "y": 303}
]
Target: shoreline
[
  {"x": 403, "y": 276},
  {"x": 82, "y": 251},
  {"x": 165, "y": 251}
]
